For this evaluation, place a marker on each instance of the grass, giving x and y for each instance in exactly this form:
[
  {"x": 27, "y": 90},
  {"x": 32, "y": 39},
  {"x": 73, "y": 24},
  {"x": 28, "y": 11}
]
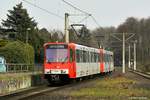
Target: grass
[{"x": 112, "y": 89}]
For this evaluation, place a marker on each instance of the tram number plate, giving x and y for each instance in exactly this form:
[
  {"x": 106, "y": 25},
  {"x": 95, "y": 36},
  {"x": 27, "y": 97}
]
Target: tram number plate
[{"x": 56, "y": 71}]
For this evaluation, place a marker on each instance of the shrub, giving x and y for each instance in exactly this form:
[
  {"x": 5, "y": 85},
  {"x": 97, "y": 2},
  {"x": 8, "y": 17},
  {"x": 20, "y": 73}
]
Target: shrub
[
  {"x": 3, "y": 42},
  {"x": 18, "y": 52}
]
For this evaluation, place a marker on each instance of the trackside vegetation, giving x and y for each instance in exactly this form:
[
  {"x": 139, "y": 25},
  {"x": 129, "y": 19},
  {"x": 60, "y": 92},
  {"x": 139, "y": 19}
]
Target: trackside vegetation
[
  {"x": 3, "y": 42},
  {"x": 119, "y": 88},
  {"x": 19, "y": 24},
  {"x": 18, "y": 52}
]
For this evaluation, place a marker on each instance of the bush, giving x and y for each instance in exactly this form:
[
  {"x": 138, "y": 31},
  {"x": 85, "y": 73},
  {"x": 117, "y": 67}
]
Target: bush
[
  {"x": 18, "y": 52},
  {"x": 3, "y": 42}
]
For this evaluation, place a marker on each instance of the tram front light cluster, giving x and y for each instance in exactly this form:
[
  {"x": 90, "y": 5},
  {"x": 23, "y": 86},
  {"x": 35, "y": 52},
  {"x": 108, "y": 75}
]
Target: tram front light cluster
[{"x": 56, "y": 71}]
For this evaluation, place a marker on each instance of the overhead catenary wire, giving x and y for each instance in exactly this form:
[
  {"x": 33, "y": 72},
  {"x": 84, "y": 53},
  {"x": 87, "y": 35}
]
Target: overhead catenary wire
[
  {"x": 54, "y": 14},
  {"x": 84, "y": 19},
  {"x": 93, "y": 18},
  {"x": 76, "y": 8},
  {"x": 45, "y": 10},
  {"x": 95, "y": 21}
]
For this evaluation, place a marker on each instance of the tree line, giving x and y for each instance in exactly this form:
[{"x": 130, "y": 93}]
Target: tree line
[
  {"x": 19, "y": 24},
  {"x": 141, "y": 29}
]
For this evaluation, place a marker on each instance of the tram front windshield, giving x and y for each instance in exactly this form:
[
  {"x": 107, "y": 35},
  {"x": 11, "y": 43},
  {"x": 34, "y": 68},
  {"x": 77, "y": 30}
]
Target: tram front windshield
[{"x": 56, "y": 53}]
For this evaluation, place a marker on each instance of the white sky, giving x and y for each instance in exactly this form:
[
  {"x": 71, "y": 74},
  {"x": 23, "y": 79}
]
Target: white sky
[{"x": 106, "y": 12}]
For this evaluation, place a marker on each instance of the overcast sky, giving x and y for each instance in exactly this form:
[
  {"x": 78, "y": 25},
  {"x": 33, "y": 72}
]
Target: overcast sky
[{"x": 106, "y": 12}]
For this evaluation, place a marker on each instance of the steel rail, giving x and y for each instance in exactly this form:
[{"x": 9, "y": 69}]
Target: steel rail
[{"x": 141, "y": 74}]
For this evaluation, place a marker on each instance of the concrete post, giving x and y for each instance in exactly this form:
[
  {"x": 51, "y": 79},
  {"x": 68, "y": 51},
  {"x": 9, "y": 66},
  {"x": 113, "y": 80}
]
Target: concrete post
[
  {"x": 135, "y": 55},
  {"x": 66, "y": 27},
  {"x": 129, "y": 57},
  {"x": 123, "y": 54}
]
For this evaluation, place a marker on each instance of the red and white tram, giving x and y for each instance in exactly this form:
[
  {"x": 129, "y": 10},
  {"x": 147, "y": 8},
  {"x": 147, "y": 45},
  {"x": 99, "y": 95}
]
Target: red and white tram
[{"x": 63, "y": 61}]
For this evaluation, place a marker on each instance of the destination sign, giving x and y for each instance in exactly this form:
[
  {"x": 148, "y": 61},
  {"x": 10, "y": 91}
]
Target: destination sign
[{"x": 56, "y": 46}]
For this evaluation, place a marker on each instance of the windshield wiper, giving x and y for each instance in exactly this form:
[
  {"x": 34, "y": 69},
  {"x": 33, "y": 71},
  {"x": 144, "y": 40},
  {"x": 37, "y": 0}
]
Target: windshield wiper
[
  {"x": 65, "y": 59},
  {"x": 49, "y": 61}
]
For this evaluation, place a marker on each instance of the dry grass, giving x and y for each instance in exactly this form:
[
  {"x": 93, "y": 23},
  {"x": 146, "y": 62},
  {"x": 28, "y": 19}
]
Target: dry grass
[{"x": 112, "y": 89}]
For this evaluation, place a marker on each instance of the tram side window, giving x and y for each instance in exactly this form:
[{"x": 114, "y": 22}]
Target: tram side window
[
  {"x": 108, "y": 58},
  {"x": 81, "y": 55},
  {"x": 111, "y": 58},
  {"x": 77, "y": 56},
  {"x": 89, "y": 53},
  {"x": 71, "y": 55},
  {"x": 92, "y": 57},
  {"x": 95, "y": 57},
  {"x": 105, "y": 58},
  {"x": 98, "y": 57},
  {"x": 85, "y": 56}
]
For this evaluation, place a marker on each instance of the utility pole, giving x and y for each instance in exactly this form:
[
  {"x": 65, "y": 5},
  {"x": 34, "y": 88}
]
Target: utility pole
[
  {"x": 123, "y": 53},
  {"x": 66, "y": 27},
  {"x": 27, "y": 37},
  {"x": 129, "y": 57},
  {"x": 123, "y": 40},
  {"x": 135, "y": 55},
  {"x": 27, "y": 34}
]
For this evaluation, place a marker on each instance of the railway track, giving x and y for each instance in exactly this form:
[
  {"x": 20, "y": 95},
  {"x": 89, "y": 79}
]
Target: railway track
[
  {"x": 21, "y": 94},
  {"x": 33, "y": 92},
  {"x": 45, "y": 91},
  {"x": 141, "y": 74},
  {"x": 42, "y": 90}
]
